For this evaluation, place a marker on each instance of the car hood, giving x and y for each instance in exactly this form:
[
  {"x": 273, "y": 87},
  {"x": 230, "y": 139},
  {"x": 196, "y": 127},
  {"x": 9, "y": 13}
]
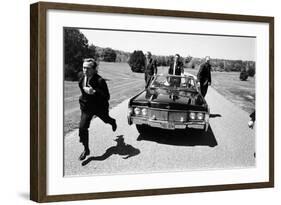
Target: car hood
[{"x": 158, "y": 97}]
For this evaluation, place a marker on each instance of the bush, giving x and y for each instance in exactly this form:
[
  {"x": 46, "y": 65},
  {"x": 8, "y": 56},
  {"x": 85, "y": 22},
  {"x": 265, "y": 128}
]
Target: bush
[
  {"x": 221, "y": 65},
  {"x": 251, "y": 71},
  {"x": 243, "y": 75},
  {"x": 237, "y": 66},
  {"x": 109, "y": 55},
  {"x": 137, "y": 61}
]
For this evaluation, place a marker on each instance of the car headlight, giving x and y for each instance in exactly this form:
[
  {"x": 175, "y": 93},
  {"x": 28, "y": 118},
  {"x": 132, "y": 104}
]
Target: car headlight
[
  {"x": 200, "y": 116},
  {"x": 144, "y": 111},
  {"x": 192, "y": 115},
  {"x": 137, "y": 111}
]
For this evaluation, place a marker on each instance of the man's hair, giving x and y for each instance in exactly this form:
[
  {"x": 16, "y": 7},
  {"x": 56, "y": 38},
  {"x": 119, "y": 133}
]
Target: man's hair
[
  {"x": 91, "y": 61},
  {"x": 177, "y": 55}
]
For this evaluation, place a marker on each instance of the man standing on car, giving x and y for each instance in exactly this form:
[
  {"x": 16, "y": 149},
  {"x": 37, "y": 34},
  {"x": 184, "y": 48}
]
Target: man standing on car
[
  {"x": 176, "y": 67},
  {"x": 93, "y": 101},
  {"x": 150, "y": 68},
  {"x": 204, "y": 76}
]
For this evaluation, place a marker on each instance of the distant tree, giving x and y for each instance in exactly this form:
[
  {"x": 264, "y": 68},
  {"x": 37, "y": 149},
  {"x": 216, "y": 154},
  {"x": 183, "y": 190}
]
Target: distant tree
[
  {"x": 221, "y": 65},
  {"x": 228, "y": 66},
  {"x": 237, "y": 66},
  {"x": 161, "y": 60},
  {"x": 99, "y": 53},
  {"x": 137, "y": 61},
  {"x": 91, "y": 52},
  {"x": 122, "y": 56},
  {"x": 251, "y": 69},
  {"x": 75, "y": 49},
  {"x": 188, "y": 59},
  {"x": 170, "y": 59},
  {"x": 109, "y": 55}
]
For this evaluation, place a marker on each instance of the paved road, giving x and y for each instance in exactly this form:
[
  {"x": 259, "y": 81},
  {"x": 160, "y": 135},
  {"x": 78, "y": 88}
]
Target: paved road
[{"x": 229, "y": 143}]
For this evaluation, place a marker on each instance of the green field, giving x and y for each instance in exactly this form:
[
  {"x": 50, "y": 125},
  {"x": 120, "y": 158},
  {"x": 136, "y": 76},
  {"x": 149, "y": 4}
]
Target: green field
[{"x": 123, "y": 84}]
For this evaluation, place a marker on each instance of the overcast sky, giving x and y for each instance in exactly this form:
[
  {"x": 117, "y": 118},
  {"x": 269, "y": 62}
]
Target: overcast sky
[{"x": 225, "y": 47}]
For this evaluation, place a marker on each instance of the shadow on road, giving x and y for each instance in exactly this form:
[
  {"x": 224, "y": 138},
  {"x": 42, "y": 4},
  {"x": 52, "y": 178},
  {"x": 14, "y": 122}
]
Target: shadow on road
[
  {"x": 121, "y": 148},
  {"x": 189, "y": 137},
  {"x": 214, "y": 115}
]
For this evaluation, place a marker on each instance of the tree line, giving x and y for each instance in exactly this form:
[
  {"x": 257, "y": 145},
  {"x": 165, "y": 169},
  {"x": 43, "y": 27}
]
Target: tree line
[
  {"x": 77, "y": 47},
  {"x": 137, "y": 63}
]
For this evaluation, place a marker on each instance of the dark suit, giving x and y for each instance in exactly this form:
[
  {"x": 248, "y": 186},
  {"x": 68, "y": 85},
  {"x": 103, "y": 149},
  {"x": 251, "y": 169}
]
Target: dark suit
[
  {"x": 178, "y": 69},
  {"x": 174, "y": 81},
  {"x": 150, "y": 70},
  {"x": 204, "y": 77},
  {"x": 95, "y": 104}
]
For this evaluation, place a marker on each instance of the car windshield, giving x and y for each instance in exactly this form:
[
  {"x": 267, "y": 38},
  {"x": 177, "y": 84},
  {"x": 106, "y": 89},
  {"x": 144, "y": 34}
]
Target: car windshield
[{"x": 173, "y": 82}]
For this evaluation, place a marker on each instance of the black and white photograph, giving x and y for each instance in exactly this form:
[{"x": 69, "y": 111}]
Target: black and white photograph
[{"x": 139, "y": 102}]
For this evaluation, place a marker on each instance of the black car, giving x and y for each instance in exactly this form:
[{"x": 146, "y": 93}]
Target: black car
[{"x": 169, "y": 102}]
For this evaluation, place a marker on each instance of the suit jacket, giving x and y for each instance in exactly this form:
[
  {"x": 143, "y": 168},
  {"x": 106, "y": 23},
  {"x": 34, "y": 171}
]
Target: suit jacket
[
  {"x": 204, "y": 73},
  {"x": 179, "y": 68},
  {"x": 151, "y": 67},
  {"x": 99, "y": 100}
]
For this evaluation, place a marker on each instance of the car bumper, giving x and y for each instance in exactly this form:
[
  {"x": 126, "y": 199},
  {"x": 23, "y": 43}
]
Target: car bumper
[{"x": 202, "y": 125}]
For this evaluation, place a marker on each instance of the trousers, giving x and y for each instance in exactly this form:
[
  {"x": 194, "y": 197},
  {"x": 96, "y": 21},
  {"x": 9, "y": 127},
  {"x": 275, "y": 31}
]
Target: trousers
[
  {"x": 86, "y": 117},
  {"x": 204, "y": 87},
  {"x": 147, "y": 79}
]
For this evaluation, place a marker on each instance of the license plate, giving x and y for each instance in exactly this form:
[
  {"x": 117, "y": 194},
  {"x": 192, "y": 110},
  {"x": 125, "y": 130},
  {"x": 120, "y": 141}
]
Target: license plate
[
  {"x": 180, "y": 126},
  {"x": 196, "y": 126},
  {"x": 169, "y": 126}
]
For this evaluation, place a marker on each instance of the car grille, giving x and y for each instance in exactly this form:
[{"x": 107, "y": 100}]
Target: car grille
[
  {"x": 173, "y": 116},
  {"x": 177, "y": 116},
  {"x": 158, "y": 114}
]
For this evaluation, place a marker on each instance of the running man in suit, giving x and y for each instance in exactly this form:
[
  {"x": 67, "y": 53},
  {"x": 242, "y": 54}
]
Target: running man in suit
[{"x": 93, "y": 101}]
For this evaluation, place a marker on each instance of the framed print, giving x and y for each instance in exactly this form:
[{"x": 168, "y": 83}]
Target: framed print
[{"x": 135, "y": 102}]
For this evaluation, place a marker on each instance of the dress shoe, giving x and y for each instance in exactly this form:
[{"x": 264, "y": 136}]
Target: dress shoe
[
  {"x": 84, "y": 154},
  {"x": 114, "y": 126}
]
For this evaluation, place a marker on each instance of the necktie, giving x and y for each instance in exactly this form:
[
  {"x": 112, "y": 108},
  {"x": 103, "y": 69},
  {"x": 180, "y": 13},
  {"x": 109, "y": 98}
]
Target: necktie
[{"x": 85, "y": 81}]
